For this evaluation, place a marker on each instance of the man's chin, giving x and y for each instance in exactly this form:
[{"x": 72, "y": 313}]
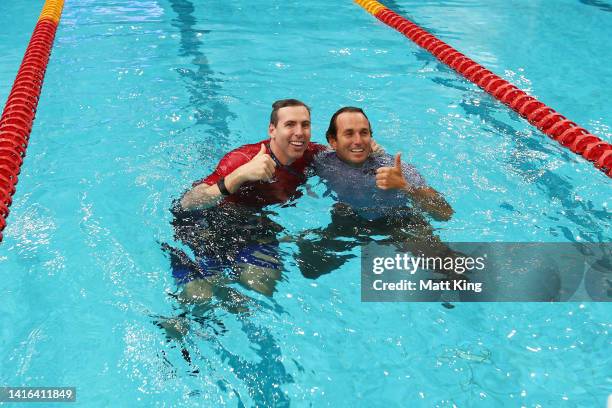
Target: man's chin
[{"x": 297, "y": 154}]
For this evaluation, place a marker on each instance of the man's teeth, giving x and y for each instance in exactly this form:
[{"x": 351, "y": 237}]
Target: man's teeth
[
  {"x": 299, "y": 144},
  {"x": 357, "y": 150}
]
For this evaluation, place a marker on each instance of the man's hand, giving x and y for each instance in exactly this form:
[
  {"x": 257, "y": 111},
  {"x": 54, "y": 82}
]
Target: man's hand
[
  {"x": 392, "y": 178},
  {"x": 260, "y": 167},
  {"x": 428, "y": 199},
  {"x": 377, "y": 150}
]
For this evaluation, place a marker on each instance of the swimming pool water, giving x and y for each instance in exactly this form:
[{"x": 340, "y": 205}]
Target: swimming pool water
[{"x": 141, "y": 98}]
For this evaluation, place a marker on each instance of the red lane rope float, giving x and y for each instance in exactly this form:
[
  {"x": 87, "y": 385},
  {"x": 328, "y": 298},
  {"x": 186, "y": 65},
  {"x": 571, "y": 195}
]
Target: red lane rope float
[
  {"x": 550, "y": 122},
  {"x": 20, "y": 108}
]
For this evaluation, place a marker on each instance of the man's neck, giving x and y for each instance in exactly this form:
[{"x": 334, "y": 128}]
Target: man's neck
[
  {"x": 278, "y": 153},
  {"x": 354, "y": 165}
]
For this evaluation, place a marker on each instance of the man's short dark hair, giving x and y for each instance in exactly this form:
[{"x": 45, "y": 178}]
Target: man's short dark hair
[
  {"x": 332, "y": 130},
  {"x": 283, "y": 103}
]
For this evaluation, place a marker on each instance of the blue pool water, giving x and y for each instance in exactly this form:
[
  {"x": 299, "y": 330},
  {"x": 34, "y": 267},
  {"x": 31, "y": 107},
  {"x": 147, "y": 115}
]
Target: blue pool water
[{"x": 143, "y": 97}]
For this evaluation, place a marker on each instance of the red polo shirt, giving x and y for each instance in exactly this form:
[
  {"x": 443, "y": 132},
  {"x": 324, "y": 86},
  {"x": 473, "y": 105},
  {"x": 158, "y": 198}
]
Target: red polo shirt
[{"x": 262, "y": 193}]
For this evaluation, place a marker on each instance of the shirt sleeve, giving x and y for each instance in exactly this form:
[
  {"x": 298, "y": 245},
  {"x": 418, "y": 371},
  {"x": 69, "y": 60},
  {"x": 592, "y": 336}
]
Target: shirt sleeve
[{"x": 228, "y": 164}]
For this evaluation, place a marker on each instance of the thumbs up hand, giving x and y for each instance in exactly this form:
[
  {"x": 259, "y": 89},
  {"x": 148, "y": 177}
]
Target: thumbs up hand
[
  {"x": 260, "y": 167},
  {"x": 262, "y": 150},
  {"x": 391, "y": 178}
]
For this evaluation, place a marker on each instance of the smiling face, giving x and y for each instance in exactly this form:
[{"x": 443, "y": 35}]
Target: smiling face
[
  {"x": 290, "y": 136},
  {"x": 353, "y": 137}
]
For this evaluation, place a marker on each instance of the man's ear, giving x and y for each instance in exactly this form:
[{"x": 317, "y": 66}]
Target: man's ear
[
  {"x": 271, "y": 129},
  {"x": 333, "y": 143}
]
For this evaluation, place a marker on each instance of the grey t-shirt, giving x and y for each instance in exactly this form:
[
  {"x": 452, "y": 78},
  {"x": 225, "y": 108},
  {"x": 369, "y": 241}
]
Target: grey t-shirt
[{"x": 356, "y": 186}]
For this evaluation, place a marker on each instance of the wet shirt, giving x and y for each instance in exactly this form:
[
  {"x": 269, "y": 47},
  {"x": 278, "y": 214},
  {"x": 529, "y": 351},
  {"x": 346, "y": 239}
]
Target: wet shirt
[
  {"x": 261, "y": 193},
  {"x": 221, "y": 231},
  {"x": 356, "y": 186}
]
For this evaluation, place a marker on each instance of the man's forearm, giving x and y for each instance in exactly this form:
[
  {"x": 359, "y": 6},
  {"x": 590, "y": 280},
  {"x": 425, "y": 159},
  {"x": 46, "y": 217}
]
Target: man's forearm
[
  {"x": 432, "y": 202},
  {"x": 200, "y": 197},
  {"x": 204, "y": 196}
]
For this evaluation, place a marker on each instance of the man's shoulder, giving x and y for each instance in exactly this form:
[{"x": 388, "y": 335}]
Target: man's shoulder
[
  {"x": 231, "y": 161},
  {"x": 247, "y": 151},
  {"x": 325, "y": 158},
  {"x": 242, "y": 154},
  {"x": 313, "y": 150},
  {"x": 388, "y": 160},
  {"x": 381, "y": 159},
  {"x": 325, "y": 154},
  {"x": 316, "y": 147}
]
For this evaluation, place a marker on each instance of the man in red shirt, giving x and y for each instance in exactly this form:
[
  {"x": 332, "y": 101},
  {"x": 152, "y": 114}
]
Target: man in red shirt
[
  {"x": 263, "y": 173},
  {"x": 221, "y": 218}
]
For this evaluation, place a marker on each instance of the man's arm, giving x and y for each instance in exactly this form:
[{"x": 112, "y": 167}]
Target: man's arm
[
  {"x": 260, "y": 167},
  {"x": 432, "y": 202},
  {"x": 428, "y": 199}
]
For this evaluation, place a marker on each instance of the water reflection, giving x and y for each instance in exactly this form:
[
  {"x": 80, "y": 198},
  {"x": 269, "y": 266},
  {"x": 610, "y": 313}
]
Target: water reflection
[
  {"x": 533, "y": 169},
  {"x": 263, "y": 378},
  {"x": 522, "y": 160},
  {"x": 203, "y": 86},
  {"x": 127, "y": 11},
  {"x": 602, "y": 5}
]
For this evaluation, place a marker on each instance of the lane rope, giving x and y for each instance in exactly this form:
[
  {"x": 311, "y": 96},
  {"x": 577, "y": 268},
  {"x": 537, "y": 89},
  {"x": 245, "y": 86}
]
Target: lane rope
[
  {"x": 20, "y": 108},
  {"x": 550, "y": 122}
]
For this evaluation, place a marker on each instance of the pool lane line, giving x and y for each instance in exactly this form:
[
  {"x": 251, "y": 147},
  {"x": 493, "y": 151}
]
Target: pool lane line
[
  {"x": 20, "y": 108},
  {"x": 549, "y": 121}
]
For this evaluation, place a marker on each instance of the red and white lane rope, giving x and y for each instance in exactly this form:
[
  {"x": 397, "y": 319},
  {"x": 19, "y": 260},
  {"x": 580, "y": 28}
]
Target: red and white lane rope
[
  {"x": 550, "y": 122},
  {"x": 20, "y": 109}
]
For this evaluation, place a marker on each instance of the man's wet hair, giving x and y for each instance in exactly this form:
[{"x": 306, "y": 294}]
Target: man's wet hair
[
  {"x": 283, "y": 103},
  {"x": 332, "y": 130}
]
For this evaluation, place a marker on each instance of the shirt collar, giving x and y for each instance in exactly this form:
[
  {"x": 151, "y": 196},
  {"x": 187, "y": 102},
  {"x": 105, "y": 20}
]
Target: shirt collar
[{"x": 288, "y": 168}]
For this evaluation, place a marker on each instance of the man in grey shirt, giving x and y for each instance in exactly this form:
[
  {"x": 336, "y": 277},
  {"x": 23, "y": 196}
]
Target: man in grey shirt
[{"x": 373, "y": 192}]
